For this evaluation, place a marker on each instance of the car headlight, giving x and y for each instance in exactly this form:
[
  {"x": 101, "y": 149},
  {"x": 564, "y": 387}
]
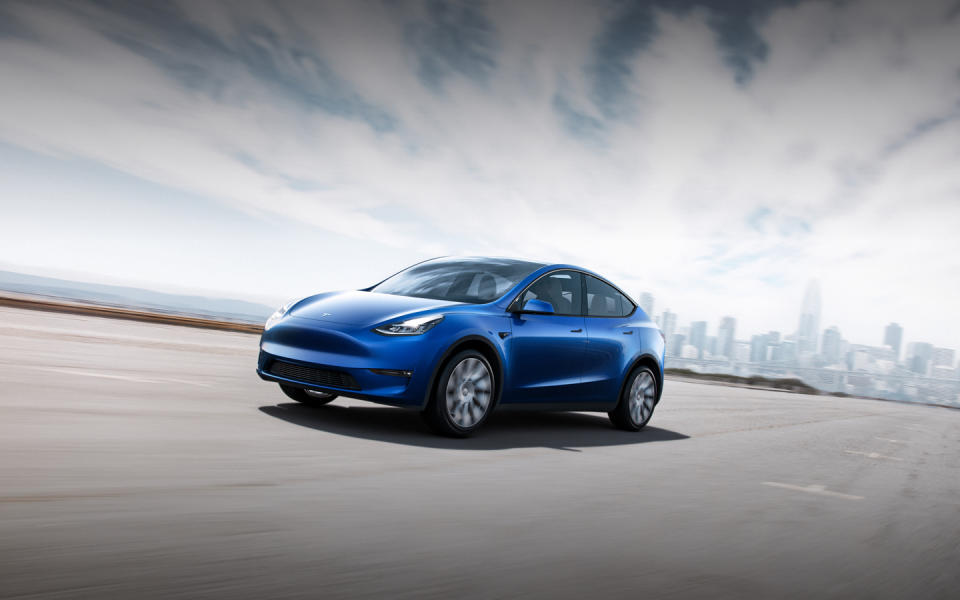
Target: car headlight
[
  {"x": 278, "y": 314},
  {"x": 417, "y": 326}
]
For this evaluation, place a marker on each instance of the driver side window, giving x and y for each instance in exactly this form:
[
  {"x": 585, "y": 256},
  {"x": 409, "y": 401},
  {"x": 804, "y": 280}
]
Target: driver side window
[{"x": 562, "y": 289}]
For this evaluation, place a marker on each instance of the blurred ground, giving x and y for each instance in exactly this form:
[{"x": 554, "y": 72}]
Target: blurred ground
[{"x": 145, "y": 460}]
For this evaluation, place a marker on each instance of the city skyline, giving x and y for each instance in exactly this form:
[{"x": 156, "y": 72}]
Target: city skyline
[
  {"x": 917, "y": 371},
  {"x": 901, "y": 333},
  {"x": 891, "y": 335}
]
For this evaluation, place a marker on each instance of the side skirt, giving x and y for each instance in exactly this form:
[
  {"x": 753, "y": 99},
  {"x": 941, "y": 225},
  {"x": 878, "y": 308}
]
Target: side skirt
[{"x": 557, "y": 406}]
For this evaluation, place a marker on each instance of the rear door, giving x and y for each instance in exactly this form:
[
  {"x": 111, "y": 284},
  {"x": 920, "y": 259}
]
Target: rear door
[
  {"x": 547, "y": 351},
  {"x": 610, "y": 339}
]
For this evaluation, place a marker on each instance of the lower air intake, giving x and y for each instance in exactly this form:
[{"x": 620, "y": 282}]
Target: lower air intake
[{"x": 315, "y": 375}]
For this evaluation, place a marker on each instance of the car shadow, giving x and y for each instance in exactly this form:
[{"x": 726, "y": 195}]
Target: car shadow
[{"x": 506, "y": 429}]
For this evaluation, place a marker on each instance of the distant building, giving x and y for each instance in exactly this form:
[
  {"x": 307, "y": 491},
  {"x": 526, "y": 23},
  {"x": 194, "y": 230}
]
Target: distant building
[
  {"x": 758, "y": 349},
  {"x": 675, "y": 345},
  {"x": 668, "y": 325},
  {"x": 860, "y": 357},
  {"x": 646, "y": 303},
  {"x": 809, "y": 319},
  {"x": 785, "y": 352},
  {"x": 725, "y": 337},
  {"x": 919, "y": 357},
  {"x": 741, "y": 351},
  {"x": 942, "y": 357},
  {"x": 773, "y": 345},
  {"x": 711, "y": 346},
  {"x": 698, "y": 337},
  {"x": 893, "y": 337},
  {"x": 832, "y": 345},
  {"x": 941, "y": 372}
]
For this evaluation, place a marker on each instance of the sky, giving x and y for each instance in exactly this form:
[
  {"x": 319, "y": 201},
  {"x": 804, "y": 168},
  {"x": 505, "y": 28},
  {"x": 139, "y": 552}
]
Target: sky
[{"x": 718, "y": 154}]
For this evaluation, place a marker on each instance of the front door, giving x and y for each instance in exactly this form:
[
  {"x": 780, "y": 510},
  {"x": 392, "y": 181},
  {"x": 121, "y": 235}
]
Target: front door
[{"x": 547, "y": 351}]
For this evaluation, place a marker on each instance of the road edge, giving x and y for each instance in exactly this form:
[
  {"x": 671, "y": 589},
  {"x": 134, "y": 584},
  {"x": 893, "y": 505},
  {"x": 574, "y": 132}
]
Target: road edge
[{"x": 128, "y": 314}]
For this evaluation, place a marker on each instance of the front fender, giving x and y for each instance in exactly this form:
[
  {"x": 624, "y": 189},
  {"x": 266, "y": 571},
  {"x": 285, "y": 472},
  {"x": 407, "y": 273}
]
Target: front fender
[{"x": 463, "y": 331}]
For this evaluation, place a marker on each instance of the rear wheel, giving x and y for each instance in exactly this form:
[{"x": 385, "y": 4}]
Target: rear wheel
[
  {"x": 463, "y": 397},
  {"x": 311, "y": 397},
  {"x": 637, "y": 402}
]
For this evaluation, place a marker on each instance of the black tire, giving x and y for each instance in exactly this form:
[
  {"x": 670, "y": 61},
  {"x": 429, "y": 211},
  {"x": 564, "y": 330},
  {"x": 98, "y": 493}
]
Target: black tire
[
  {"x": 311, "y": 398},
  {"x": 459, "y": 411},
  {"x": 637, "y": 401}
]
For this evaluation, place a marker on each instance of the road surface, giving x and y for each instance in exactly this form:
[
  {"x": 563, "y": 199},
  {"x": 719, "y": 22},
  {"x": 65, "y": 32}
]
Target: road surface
[{"x": 143, "y": 460}]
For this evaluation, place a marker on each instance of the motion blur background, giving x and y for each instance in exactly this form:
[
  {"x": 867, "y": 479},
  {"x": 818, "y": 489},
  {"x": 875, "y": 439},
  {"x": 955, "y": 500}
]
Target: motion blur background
[{"x": 776, "y": 182}]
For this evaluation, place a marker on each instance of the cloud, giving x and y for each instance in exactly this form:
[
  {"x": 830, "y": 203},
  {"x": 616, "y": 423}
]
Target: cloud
[
  {"x": 631, "y": 30},
  {"x": 718, "y": 154},
  {"x": 452, "y": 38}
]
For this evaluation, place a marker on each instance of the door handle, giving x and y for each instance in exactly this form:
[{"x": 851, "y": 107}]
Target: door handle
[
  {"x": 576, "y": 330},
  {"x": 627, "y": 332}
]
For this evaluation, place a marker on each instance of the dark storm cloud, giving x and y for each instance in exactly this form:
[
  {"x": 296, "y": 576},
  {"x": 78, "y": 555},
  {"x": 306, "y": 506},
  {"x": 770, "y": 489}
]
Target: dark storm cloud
[
  {"x": 201, "y": 60},
  {"x": 453, "y": 38},
  {"x": 735, "y": 25},
  {"x": 576, "y": 122},
  {"x": 633, "y": 27}
]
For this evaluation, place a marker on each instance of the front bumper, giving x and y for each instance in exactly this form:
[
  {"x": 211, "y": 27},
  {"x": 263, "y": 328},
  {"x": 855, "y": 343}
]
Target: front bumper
[{"x": 345, "y": 361}]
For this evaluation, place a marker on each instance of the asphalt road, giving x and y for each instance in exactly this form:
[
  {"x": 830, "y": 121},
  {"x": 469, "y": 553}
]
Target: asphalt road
[{"x": 141, "y": 460}]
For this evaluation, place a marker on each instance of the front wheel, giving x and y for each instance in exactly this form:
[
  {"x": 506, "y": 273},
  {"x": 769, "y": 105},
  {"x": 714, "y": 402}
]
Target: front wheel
[
  {"x": 636, "y": 404},
  {"x": 309, "y": 397},
  {"x": 463, "y": 397}
]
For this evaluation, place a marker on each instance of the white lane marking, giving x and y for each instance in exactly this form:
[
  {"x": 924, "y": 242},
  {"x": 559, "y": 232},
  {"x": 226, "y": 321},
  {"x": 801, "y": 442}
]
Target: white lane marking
[
  {"x": 892, "y": 441},
  {"x": 872, "y": 455},
  {"x": 185, "y": 382},
  {"x": 911, "y": 428},
  {"x": 120, "y": 377},
  {"x": 820, "y": 490}
]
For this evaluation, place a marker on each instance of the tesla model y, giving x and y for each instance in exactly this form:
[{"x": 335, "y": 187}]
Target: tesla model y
[{"x": 456, "y": 338}]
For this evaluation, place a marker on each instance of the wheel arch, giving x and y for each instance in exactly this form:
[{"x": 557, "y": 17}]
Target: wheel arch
[
  {"x": 644, "y": 360},
  {"x": 470, "y": 342}
]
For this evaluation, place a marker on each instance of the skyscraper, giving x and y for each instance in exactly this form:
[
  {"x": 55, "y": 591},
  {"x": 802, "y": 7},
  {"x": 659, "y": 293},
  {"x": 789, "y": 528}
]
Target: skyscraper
[
  {"x": 725, "y": 336},
  {"x": 668, "y": 325},
  {"x": 758, "y": 349},
  {"x": 698, "y": 336},
  {"x": 919, "y": 356},
  {"x": 809, "y": 319},
  {"x": 832, "y": 341},
  {"x": 893, "y": 337},
  {"x": 675, "y": 344}
]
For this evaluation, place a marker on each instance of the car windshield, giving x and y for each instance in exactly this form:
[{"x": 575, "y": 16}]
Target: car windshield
[{"x": 473, "y": 280}]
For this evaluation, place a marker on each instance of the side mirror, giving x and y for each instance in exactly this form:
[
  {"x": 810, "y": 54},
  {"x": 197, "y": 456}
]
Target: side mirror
[{"x": 539, "y": 307}]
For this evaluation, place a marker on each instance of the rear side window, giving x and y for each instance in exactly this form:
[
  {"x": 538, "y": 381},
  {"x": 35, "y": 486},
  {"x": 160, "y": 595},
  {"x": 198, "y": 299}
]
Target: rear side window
[{"x": 603, "y": 300}]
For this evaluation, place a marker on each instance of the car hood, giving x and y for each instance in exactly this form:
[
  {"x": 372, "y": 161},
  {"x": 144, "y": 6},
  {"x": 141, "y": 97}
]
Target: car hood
[{"x": 362, "y": 308}]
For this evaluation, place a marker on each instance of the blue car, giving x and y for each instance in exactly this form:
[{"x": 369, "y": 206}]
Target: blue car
[{"x": 457, "y": 337}]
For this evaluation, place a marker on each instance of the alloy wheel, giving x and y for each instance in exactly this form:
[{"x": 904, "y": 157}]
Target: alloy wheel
[
  {"x": 468, "y": 392},
  {"x": 643, "y": 393}
]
